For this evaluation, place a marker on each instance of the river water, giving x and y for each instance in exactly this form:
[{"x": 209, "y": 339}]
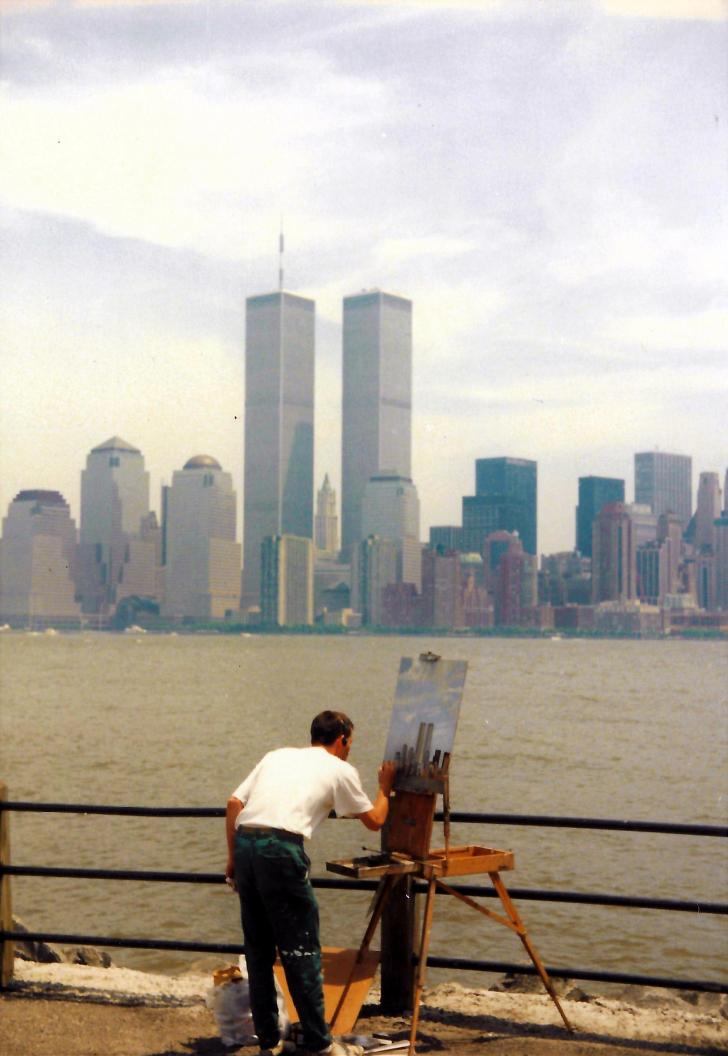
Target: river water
[{"x": 620, "y": 729}]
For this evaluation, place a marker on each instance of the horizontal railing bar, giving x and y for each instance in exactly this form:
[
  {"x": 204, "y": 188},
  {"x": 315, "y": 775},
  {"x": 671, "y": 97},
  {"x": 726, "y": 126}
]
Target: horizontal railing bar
[
  {"x": 96, "y": 808},
  {"x": 503, "y": 968},
  {"x": 64, "y": 939},
  {"x": 616, "y": 824},
  {"x": 538, "y": 820},
  {"x": 497, "y": 967},
  {"x": 474, "y": 890}
]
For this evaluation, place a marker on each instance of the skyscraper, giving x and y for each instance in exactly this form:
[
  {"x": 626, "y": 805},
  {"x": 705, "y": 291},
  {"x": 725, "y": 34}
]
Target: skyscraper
[
  {"x": 38, "y": 561},
  {"x": 391, "y": 510},
  {"x": 594, "y": 493},
  {"x": 664, "y": 483},
  {"x": 203, "y": 557},
  {"x": 504, "y": 500},
  {"x": 376, "y": 430},
  {"x": 614, "y": 558},
  {"x": 114, "y": 501},
  {"x": 286, "y": 593},
  {"x": 326, "y": 523},
  {"x": 708, "y": 509},
  {"x": 279, "y": 407}
]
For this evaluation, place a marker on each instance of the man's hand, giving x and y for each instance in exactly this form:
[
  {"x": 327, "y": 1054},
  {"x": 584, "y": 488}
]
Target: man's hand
[
  {"x": 386, "y": 775},
  {"x": 374, "y": 819}
]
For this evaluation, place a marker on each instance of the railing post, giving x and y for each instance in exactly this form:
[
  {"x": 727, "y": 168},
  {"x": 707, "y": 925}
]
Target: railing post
[
  {"x": 398, "y": 936},
  {"x": 7, "y": 946}
]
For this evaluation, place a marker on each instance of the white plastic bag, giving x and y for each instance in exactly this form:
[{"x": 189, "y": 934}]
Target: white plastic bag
[{"x": 229, "y": 1000}]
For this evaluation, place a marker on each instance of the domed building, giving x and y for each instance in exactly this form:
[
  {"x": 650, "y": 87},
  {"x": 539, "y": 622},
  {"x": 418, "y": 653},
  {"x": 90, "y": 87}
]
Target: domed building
[
  {"x": 38, "y": 561},
  {"x": 203, "y": 557}
]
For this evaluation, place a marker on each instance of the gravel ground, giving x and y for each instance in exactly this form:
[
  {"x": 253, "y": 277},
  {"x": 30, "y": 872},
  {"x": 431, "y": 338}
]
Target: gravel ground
[{"x": 72, "y": 1010}]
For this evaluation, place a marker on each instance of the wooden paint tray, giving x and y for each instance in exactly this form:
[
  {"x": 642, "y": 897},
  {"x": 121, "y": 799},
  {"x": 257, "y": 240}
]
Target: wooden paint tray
[
  {"x": 459, "y": 861},
  {"x": 372, "y": 865}
]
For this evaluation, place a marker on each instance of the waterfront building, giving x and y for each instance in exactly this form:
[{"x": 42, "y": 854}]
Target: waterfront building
[
  {"x": 594, "y": 493},
  {"x": 373, "y": 567},
  {"x": 376, "y": 427},
  {"x": 505, "y": 500},
  {"x": 644, "y": 522},
  {"x": 326, "y": 523},
  {"x": 494, "y": 546},
  {"x": 331, "y": 584},
  {"x": 38, "y": 561},
  {"x": 391, "y": 510},
  {"x": 565, "y": 578},
  {"x": 203, "y": 556},
  {"x": 114, "y": 503},
  {"x": 441, "y": 589},
  {"x": 720, "y": 526},
  {"x": 516, "y": 586},
  {"x": 664, "y": 483},
  {"x": 614, "y": 569},
  {"x": 446, "y": 536},
  {"x": 669, "y": 535},
  {"x": 400, "y": 605},
  {"x": 279, "y": 411},
  {"x": 708, "y": 509},
  {"x": 287, "y": 575}
]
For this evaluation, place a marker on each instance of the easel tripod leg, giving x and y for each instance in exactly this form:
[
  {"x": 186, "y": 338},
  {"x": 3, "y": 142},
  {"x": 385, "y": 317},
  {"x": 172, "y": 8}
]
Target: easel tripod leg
[
  {"x": 529, "y": 947},
  {"x": 422, "y": 963}
]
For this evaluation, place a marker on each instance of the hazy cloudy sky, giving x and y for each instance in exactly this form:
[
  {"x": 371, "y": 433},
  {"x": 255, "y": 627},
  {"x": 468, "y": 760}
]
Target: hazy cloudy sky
[{"x": 546, "y": 179}]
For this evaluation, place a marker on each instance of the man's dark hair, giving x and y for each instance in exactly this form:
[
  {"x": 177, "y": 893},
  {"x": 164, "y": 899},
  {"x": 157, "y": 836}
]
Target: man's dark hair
[{"x": 328, "y": 725}]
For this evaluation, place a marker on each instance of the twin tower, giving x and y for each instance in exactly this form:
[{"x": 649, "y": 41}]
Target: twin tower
[{"x": 376, "y": 428}]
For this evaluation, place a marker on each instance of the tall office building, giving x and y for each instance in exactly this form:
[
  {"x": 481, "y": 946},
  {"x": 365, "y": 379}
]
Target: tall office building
[
  {"x": 287, "y": 581},
  {"x": 114, "y": 502},
  {"x": 594, "y": 493},
  {"x": 373, "y": 567},
  {"x": 38, "y": 561},
  {"x": 505, "y": 500},
  {"x": 708, "y": 509},
  {"x": 203, "y": 557},
  {"x": 326, "y": 523},
  {"x": 279, "y": 407},
  {"x": 376, "y": 428},
  {"x": 664, "y": 483},
  {"x": 614, "y": 557},
  {"x": 391, "y": 509}
]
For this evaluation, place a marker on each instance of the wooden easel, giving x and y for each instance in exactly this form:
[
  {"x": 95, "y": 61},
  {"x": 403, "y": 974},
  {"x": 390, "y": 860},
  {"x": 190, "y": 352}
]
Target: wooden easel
[{"x": 407, "y": 852}]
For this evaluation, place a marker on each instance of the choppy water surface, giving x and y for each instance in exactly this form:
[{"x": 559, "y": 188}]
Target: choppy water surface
[{"x": 622, "y": 729}]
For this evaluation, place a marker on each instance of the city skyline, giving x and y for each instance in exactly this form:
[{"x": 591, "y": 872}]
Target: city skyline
[{"x": 567, "y": 279}]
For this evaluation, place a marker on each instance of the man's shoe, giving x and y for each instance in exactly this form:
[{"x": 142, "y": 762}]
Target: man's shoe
[{"x": 279, "y": 1049}]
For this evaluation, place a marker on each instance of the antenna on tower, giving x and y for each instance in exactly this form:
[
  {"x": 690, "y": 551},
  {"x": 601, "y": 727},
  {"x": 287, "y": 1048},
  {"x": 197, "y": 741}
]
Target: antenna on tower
[{"x": 281, "y": 247}]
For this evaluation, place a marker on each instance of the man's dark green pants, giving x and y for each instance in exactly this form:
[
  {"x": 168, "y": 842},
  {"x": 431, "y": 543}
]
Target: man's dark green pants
[{"x": 279, "y": 913}]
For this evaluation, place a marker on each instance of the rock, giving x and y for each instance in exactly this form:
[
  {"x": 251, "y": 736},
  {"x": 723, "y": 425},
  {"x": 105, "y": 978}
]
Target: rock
[
  {"x": 531, "y": 984},
  {"x": 577, "y": 994},
  {"x": 32, "y": 950},
  {"x": 87, "y": 955}
]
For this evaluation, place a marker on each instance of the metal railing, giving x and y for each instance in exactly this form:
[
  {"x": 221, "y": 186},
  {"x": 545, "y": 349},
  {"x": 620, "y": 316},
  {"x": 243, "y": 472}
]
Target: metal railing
[{"x": 8, "y": 935}]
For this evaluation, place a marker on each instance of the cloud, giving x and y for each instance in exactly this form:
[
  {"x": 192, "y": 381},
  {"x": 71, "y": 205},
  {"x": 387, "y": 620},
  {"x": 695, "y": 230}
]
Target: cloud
[
  {"x": 689, "y": 10},
  {"x": 181, "y": 160}
]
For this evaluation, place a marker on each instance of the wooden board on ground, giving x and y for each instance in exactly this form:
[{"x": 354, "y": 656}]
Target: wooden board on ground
[{"x": 337, "y": 967}]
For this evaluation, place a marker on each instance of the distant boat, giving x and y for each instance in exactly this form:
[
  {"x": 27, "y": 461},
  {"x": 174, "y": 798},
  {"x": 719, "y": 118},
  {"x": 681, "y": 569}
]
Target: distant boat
[
  {"x": 5, "y": 627},
  {"x": 50, "y": 631},
  {"x": 134, "y": 629}
]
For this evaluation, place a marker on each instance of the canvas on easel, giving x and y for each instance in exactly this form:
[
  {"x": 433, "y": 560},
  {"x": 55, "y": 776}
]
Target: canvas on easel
[{"x": 420, "y": 740}]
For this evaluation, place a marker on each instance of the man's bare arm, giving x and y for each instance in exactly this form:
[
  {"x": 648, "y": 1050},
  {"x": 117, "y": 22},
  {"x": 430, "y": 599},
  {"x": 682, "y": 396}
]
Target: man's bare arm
[
  {"x": 234, "y": 806},
  {"x": 374, "y": 819}
]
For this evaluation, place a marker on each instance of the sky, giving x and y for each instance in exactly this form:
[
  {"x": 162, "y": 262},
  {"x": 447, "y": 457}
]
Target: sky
[{"x": 546, "y": 181}]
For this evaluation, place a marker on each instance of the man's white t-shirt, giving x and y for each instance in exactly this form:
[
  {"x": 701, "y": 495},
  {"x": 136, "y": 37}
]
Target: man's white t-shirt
[{"x": 296, "y": 788}]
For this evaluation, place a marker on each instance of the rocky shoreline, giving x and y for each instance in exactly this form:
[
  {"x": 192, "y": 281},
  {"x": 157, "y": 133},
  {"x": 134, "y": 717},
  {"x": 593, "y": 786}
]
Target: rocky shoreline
[{"x": 514, "y": 1016}]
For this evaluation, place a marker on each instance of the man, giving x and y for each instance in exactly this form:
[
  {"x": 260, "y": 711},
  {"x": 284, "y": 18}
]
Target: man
[{"x": 278, "y": 805}]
